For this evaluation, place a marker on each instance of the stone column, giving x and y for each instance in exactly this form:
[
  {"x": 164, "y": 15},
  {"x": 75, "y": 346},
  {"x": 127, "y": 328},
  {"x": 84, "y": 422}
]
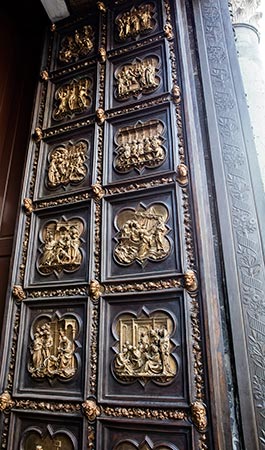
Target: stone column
[{"x": 247, "y": 17}]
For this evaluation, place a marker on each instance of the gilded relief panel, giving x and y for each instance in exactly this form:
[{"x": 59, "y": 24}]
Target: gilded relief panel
[
  {"x": 68, "y": 165},
  {"x": 134, "y": 22},
  {"x": 52, "y": 347},
  {"x": 141, "y": 76},
  {"x": 139, "y": 436},
  {"x": 140, "y": 146},
  {"x": 146, "y": 357},
  {"x": 59, "y": 247},
  {"x": 41, "y": 432},
  {"x": 143, "y": 233},
  {"x": 72, "y": 98},
  {"x": 76, "y": 43}
]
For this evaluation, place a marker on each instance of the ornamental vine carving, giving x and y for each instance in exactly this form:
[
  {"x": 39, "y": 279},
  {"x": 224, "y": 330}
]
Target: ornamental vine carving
[
  {"x": 139, "y": 20},
  {"x": 145, "y": 348},
  {"x": 61, "y": 246},
  {"x": 77, "y": 45},
  {"x": 72, "y": 98},
  {"x": 140, "y": 146},
  {"x": 67, "y": 164},
  {"x": 142, "y": 234},
  {"x": 137, "y": 78}
]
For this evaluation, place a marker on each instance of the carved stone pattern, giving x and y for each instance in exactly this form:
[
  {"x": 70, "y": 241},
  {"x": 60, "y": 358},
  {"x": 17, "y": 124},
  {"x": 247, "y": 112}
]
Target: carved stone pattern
[
  {"x": 47, "y": 406},
  {"x": 52, "y": 350},
  {"x": 249, "y": 254},
  {"x": 61, "y": 246},
  {"x": 142, "y": 234},
  {"x": 77, "y": 45},
  {"x": 137, "y": 186},
  {"x": 67, "y": 164},
  {"x": 145, "y": 348},
  {"x": 72, "y": 98},
  {"x": 58, "y": 292},
  {"x": 64, "y": 201},
  {"x": 137, "y": 78},
  {"x": 146, "y": 286},
  {"x": 94, "y": 350},
  {"x": 139, "y": 20},
  {"x": 145, "y": 413},
  {"x": 68, "y": 127},
  {"x": 11, "y": 367},
  {"x": 139, "y": 146}
]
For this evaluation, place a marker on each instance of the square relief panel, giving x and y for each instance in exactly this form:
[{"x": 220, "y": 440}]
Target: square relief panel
[
  {"x": 65, "y": 164},
  {"x": 141, "y": 236},
  {"x": 51, "y": 349},
  {"x": 138, "y": 77},
  {"x": 38, "y": 431},
  {"x": 145, "y": 342},
  {"x": 58, "y": 247},
  {"x": 141, "y": 145},
  {"x": 133, "y": 22},
  {"x": 112, "y": 435},
  {"x": 71, "y": 98},
  {"x": 76, "y": 43}
]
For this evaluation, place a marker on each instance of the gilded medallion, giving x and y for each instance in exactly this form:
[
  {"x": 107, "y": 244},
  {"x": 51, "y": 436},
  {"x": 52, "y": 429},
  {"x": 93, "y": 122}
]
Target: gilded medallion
[
  {"x": 72, "y": 98},
  {"x": 77, "y": 45},
  {"x": 139, "y": 20}
]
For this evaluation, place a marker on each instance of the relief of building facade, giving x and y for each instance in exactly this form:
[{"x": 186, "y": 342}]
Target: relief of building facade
[
  {"x": 145, "y": 348},
  {"x": 72, "y": 98},
  {"x": 139, "y": 20},
  {"x": 140, "y": 146},
  {"x": 77, "y": 45},
  {"x": 61, "y": 246},
  {"x": 52, "y": 349},
  {"x": 67, "y": 164},
  {"x": 137, "y": 78},
  {"x": 142, "y": 234}
]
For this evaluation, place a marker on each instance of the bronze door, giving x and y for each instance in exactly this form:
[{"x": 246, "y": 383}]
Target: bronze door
[{"x": 106, "y": 346}]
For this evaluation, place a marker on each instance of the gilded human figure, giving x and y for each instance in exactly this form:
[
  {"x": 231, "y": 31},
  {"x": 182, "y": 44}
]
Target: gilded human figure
[
  {"x": 61, "y": 247},
  {"x": 142, "y": 235},
  {"x": 77, "y": 45},
  {"x": 52, "y": 349},
  {"x": 67, "y": 164},
  {"x": 72, "y": 98},
  {"x": 145, "y": 349},
  {"x": 137, "y": 78},
  {"x": 140, "y": 146},
  {"x": 139, "y": 20}
]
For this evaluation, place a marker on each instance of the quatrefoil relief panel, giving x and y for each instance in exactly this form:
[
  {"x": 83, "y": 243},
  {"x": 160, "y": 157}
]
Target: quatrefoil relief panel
[
  {"x": 144, "y": 347},
  {"x": 61, "y": 246},
  {"x": 142, "y": 234},
  {"x": 36, "y": 438},
  {"x": 146, "y": 444}
]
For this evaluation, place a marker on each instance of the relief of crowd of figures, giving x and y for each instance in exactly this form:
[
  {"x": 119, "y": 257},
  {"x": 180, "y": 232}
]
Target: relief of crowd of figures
[
  {"x": 142, "y": 234},
  {"x": 137, "y": 78},
  {"x": 61, "y": 246},
  {"x": 67, "y": 164},
  {"x": 145, "y": 349},
  {"x": 140, "y": 146},
  {"x": 52, "y": 349},
  {"x": 139, "y": 20}
]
